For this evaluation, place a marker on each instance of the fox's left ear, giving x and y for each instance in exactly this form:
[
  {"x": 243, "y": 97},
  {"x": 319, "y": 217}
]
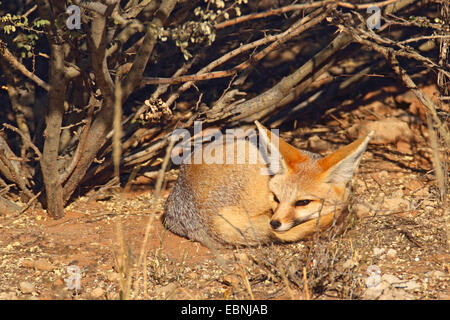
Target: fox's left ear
[
  {"x": 340, "y": 166},
  {"x": 282, "y": 152}
]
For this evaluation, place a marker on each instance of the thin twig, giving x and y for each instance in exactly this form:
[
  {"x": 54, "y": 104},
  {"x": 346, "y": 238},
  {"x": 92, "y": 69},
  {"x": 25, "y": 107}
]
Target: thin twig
[
  {"x": 16, "y": 64},
  {"x": 142, "y": 253},
  {"x": 160, "y": 179},
  {"x": 27, "y": 142},
  {"x": 272, "y": 12},
  {"x": 297, "y": 7},
  {"x": 25, "y": 208},
  {"x": 424, "y": 38},
  {"x": 404, "y": 51},
  {"x": 15, "y": 176},
  {"x": 305, "y": 283},
  {"x": 244, "y": 277}
]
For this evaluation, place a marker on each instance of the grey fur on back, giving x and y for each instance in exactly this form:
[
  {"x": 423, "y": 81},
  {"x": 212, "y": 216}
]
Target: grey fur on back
[
  {"x": 181, "y": 214},
  {"x": 189, "y": 208}
]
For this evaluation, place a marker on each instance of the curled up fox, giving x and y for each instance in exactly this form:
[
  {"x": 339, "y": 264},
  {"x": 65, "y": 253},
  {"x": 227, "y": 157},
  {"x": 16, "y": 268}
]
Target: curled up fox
[{"x": 285, "y": 196}]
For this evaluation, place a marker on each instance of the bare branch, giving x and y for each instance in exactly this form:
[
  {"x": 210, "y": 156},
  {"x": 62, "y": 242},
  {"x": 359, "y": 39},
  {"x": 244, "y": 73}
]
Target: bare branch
[
  {"x": 296, "y": 7},
  {"x": 13, "y": 62},
  {"x": 57, "y": 93},
  {"x": 391, "y": 56},
  {"x": 14, "y": 173},
  {"x": 269, "y": 99},
  {"x": 299, "y": 27},
  {"x": 134, "y": 77},
  {"x": 26, "y": 140}
]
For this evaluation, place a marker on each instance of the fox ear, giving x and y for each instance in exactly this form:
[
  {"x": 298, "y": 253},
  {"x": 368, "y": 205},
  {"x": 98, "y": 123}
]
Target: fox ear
[
  {"x": 280, "y": 150},
  {"x": 340, "y": 165}
]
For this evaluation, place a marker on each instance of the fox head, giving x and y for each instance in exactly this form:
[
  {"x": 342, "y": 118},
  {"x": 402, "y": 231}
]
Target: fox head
[{"x": 308, "y": 186}]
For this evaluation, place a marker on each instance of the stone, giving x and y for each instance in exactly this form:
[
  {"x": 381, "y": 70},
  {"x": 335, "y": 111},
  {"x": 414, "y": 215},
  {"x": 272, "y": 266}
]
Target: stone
[
  {"x": 361, "y": 210},
  {"x": 97, "y": 293},
  {"x": 391, "y": 279},
  {"x": 168, "y": 290},
  {"x": 378, "y": 251},
  {"x": 243, "y": 258},
  {"x": 396, "y": 204},
  {"x": 404, "y": 147},
  {"x": 350, "y": 263},
  {"x": 43, "y": 265},
  {"x": 412, "y": 285},
  {"x": 389, "y": 130},
  {"x": 317, "y": 145},
  {"x": 413, "y": 185},
  {"x": 373, "y": 293},
  {"x": 437, "y": 274},
  {"x": 391, "y": 253},
  {"x": 27, "y": 263},
  {"x": 396, "y": 294},
  {"x": 232, "y": 280},
  {"x": 8, "y": 296},
  {"x": 113, "y": 276},
  {"x": 26, "y": 287}
]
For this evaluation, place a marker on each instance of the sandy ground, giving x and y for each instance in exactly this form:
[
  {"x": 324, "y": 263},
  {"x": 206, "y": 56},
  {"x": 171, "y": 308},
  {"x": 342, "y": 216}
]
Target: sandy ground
[{"x": 395, "y": 245}]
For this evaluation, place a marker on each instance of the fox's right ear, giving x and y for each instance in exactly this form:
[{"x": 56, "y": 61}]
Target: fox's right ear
[
  {"x": 281, "y": 151},
  {"x": 340, "y": 165}
]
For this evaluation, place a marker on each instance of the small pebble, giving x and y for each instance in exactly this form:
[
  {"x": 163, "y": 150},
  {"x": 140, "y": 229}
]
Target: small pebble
[
  {"x": 97, "y": 293},
  {"x": 26, "y": 287},
  {"x": 378, "y": 251},
  {"x": 27, "y": 263},
  {"x": 43, "y": 265},
  {"x": 113, "y": 276},
  {"x": 392, "y": 253},
  {"x": 350, "y": 263}
]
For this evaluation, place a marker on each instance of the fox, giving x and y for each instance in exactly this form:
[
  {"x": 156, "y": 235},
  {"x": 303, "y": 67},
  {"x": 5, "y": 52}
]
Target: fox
[{"x": 250, "y": 203}]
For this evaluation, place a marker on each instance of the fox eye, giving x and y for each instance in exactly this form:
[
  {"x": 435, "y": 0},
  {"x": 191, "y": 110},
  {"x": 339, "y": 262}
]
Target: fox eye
[
  {"x": 276, "y": 199},
  {"x": 302, "y": 203}
]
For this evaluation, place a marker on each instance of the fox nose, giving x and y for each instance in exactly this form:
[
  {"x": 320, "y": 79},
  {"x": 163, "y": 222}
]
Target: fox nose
[{"x": 275, "y": 224}]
